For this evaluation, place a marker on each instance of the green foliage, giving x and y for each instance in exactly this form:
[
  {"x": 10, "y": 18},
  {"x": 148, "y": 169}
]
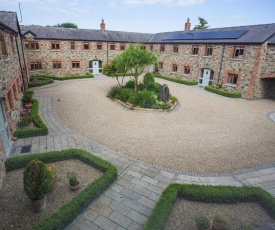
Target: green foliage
[
  {"x": 223, "y": 92},
  {"x": 27, "y": 96},
  {"x": 153, "y": 86},
  {"x": 148, "y": 78},
  {"x": 110, "y": 69},
  {"x": 181, "y": 81},
  {"x": 37, "y": 179},
  {"x": 209, "y": 194},
  {"x": 69, "y": 211},
  {"x": 114, "y": 92},
  {"x": 203, "y": 222},
  {"x": 73, "y": 181},
  {"x": 125, "y": 94},
  {"x": 133, "y": 100},
  {"x": 220, "y": 221},
  {"x": 66, "y": 25},
  {"x": 130, "y": 84},
  {"x": 40, "y": 130},
  {"x": 65, "y": 78},
  {"x": 173, "y": 99},
  {"x": 146, "y": 99},
  {"x": 202, "y": 25},
  {"x": 45, "y": 81},
  {"x": 24, "y": 121}
]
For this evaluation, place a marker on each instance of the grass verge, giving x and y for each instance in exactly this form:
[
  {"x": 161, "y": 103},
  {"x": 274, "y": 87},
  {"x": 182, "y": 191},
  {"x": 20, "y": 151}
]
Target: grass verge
[
  {"x": 69, "y": 211},
  {"x": 209, "y": 194},
  {"x": 40, "y": 130}
]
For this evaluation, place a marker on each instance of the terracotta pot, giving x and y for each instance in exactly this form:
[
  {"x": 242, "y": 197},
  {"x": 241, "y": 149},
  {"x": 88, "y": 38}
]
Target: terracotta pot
[
  {"x": 76, "y": 187},
  {"x": 39, "y": 205},
  {"x": 27, "y": 105}
]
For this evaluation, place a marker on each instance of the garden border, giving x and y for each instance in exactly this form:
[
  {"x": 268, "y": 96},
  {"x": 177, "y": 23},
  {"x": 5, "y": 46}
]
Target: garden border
[
  {"x": 223, "y": 92},
  {"x": 209, "y": 194},
  {"x": 70, "y": 210},
  {"x": 46, "y": 81},
  {"x": 63, "y": 78},
  {"x": 180, "y": 81},
  {"x": 40, "y": 130}
]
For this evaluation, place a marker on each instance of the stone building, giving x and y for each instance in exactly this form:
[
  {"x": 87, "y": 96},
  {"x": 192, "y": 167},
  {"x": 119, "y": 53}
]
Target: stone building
[
  {"x": 239, "y": 58},
  {"x": 13, "y": 80}
]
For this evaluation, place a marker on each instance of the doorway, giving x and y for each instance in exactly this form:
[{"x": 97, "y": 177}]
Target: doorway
[
  {"x": 206, "y": 77},
  {"x": 95, "y": 66},
  {"x": 5, "y": 135}
]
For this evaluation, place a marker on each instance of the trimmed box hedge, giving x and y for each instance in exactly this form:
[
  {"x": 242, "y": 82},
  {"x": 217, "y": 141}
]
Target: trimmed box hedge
[
  {"x": 40, "y": 130},
  {"x": 223, "y": 92},
  {"x": 181, "y": 81},
  {"x": 70, "y": 210},
  {"x": 208, "y": 194},
  {"x": 45, "y": 81},
  {"x": 63, "y": 78}
]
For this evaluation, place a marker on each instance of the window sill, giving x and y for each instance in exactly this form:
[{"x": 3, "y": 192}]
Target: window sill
[
  {"x": 86, "y": 50},
  {"x": 36, "y": 70},
  {"x": 208, "y": 56},
  {"x": 230, "y": 85},
  {"x": 55, "y": 50},
  {"x": 194, "y": 55},
  {"x": 33, "y": 50},
  {"x": 57, "y": 69},
  {"x": 175, "y": 53},
  {"x": 186, "y": 75},
  {"x": 236, "y": 59}
]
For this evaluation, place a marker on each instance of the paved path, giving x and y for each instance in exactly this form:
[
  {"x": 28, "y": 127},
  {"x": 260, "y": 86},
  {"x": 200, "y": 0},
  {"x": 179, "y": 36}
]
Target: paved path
[{"x": 128, "y": 203}]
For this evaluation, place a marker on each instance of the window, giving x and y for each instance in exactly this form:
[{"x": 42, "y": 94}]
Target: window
[
  {"x": 75, "y": 64},
  {"x": 232, "y": 79},
  {"x": 112, "y": 46},
  {"x": 174, "y": 68},
  {"x": 195, "y": 50},
  {"x": 238, "y": 52},
  {"x": 56, "y": 64},
  {"x": 35, "y": 65},
  {"x": 175, "y": 48},
  {"x": 32, "y": 45},
  {"x": 160, "y": 65},
  {"x": 186, "y": 70},
  {"x": 162, "y": 48},
  {"x": 3, "y": 49},
  {"x": 85, "y": 45},
  {"x": 55, "y": 45},
  {"x": 72, "y": 45},
  {"x": 99, "y": 46},
  {"x": 209, "y": 51},
  {"x": 151, "y": 47},
  {"x": 122, "y": 46},
  {"x": 143, "y": 47},
  {"x": 12, "y": 43}
]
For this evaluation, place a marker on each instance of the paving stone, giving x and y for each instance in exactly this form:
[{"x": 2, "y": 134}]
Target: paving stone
[
  {"x": 134, "y": 174},
  {"x": 140, "y": 182},
  {"x": 147, "y": 202},
  {"x": 142, "y": 191},
  {"x": 163, "y": 179},
  {"x": 146, "y": 211},
  {"x": 127, "y": 177},
  {"x": 125, "y": 183},
  {"x": 137, "y": 217},
  {"x": 130, "y": 194},
  {"x": 91, "y": 214},
  {"x": 167, "y": 174},
  {"x": 119, "y": 207},
  {"x": 105, "y": 223},
  {"x": 132, "y": 204},
  {"x": 102, "y": 209},
  {"x": 148, "y": 173},
  {"x": 162, "y": 185},
  {"x": 155, "y": 189},
  {"x": 120, "y": 219},
  {"x": 135, "y": 226},
  {"x": 114, "y": 195},
  {"x": 120, "y": 228},
  {"x": 116, "y": 187},
  {"x": 84, "y": 224},
  {"x": 149, "y": 180},
  {"x": 154, "y": 196}
]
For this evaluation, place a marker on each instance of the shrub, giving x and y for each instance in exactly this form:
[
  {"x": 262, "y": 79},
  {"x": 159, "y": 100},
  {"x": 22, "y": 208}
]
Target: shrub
[
  {"x": 24, "y": 121},
  {"x": 37, "y": 179},
  {"x": 73, "y": 181},
  {"x": 114, "y": 92},
  {"x": 203, "y": 222},
  {"x": 223, "y": 92},
  {"x": 145, "y": 98},
  {"x": 125, "y": 94},
  {"x": 133, "y": 100},
  {"x": 130, "y": 84},
  {"x": 181, "y": 81},
  {"x": 45, "y": 81},
  {"x": 165, "y": 106},
  {"x": 141, "y": 86},
  {"x": 173, "y": 99},
  {"x": 148, "y": 78},
  {"x": 27, "y": 96},
  {"x": 153, "y": 86}
]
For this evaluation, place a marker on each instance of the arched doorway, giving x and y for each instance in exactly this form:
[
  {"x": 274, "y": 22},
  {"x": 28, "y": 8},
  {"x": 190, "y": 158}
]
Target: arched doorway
[
  {"x": 206, "y": 77},
  {"x": 95, "y": 66}
]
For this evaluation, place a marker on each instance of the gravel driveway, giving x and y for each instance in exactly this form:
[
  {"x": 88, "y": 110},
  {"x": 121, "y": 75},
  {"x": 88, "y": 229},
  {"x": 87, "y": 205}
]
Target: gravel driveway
[{"x": 206, "y": 133}]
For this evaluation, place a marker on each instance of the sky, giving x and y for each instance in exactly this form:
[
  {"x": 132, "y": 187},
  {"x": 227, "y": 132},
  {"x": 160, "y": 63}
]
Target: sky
[{"x": 147, "y": 16}]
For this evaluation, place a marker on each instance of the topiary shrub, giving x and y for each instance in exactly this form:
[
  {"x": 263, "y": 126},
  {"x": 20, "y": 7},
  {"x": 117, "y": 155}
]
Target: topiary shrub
[
  {"x": 24, "y": 121},
  {"x": 148, "y": 78},
  {"x": 37, "y": 179}
]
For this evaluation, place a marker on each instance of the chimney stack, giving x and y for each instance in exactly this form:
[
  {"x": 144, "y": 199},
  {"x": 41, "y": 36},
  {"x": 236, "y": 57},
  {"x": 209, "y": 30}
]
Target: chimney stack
[
  {"x": 102, "y": 25},
  {"x": 187, "y": 25}
]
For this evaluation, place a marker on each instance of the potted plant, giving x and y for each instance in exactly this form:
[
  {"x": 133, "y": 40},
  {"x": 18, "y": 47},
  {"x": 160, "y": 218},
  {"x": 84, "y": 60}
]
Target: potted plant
[
  {"x": 27, "y": 99},
  {"x": 74, "y": 183},
  {"x": 37, "y": 181},
  {"x": 203, "y": 223},
  {"x": 220, "y": 221}
]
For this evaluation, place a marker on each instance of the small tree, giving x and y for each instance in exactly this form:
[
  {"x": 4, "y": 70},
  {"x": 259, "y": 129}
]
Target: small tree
[
  {"x": 133, "y": 61},
  {"x": 202, "y": 25},
  {"x": 112, "y": 69}
]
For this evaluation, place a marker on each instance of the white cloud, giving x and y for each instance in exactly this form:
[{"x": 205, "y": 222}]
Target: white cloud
[{"x": 163, "y": 2}]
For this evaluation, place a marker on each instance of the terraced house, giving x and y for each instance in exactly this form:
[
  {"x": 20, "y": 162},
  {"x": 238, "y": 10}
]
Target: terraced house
[{"x": 13, "y": 79}]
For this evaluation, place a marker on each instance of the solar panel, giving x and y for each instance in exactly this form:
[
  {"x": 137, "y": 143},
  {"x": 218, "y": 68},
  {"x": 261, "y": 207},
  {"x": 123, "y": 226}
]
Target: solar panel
[{"x": 232, "y": 34}]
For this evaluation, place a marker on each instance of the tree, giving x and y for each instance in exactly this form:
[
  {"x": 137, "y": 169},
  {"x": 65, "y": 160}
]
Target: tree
[
  {"x": 114, "y": 69},
  {"x": 66, "y": 25},
  {"x": 202, "y": 25},
  {"x": 133, "y": 61}
]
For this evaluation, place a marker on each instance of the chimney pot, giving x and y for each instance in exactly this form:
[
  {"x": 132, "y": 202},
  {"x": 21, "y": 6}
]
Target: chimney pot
[{"x": 102, "y": 25}]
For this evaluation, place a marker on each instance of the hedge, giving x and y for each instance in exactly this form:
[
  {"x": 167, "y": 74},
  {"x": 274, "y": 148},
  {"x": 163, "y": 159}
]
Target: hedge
[
  {"x": 223, "y": 92},
  {"x": 69, "y": 211},
  {"x": 63, "y": 78},
  {"x": 181, "y": 81},
  {"x": 45, "y": 81},
  {"x": 40, "y": 130},
  {"x": 208, "y": 194}
]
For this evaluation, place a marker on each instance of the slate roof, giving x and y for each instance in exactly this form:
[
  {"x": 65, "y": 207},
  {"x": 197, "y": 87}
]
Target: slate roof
[
  {"x": 271, "y": 40},
  {"x": 9, "y": 20},
  {"x": 256, "y": 34},
  {"x": 85, "y": 34}
]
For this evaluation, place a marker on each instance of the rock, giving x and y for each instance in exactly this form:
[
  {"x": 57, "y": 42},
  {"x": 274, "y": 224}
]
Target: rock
[{"x": 163, "y": 93}]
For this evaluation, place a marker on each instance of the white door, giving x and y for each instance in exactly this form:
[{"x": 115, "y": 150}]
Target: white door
[
  {"x": 4, "y": 129},
  {"x": 95, "y": 67},
  {"x": 206, "y": 77},
  {"x": 151, "y": 68}
]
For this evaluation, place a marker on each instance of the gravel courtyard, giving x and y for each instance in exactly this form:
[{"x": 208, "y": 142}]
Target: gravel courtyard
[{"x": 206, "y": 133}]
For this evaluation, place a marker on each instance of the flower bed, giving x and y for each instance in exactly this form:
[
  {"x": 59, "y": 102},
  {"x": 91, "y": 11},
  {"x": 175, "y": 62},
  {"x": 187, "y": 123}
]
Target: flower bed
[{"x": 36, "y": 81}]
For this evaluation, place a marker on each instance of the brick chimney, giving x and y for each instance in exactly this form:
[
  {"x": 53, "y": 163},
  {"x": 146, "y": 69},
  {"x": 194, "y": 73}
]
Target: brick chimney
[
  {"x": 187, "y": 25},
  {"x": 102, "y": 25}
]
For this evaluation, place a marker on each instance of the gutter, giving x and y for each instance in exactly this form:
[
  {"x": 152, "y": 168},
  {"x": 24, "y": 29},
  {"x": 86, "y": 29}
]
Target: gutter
[
  {"x": 219, "y": 75},
  {"x": 19, "y": 60}
]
